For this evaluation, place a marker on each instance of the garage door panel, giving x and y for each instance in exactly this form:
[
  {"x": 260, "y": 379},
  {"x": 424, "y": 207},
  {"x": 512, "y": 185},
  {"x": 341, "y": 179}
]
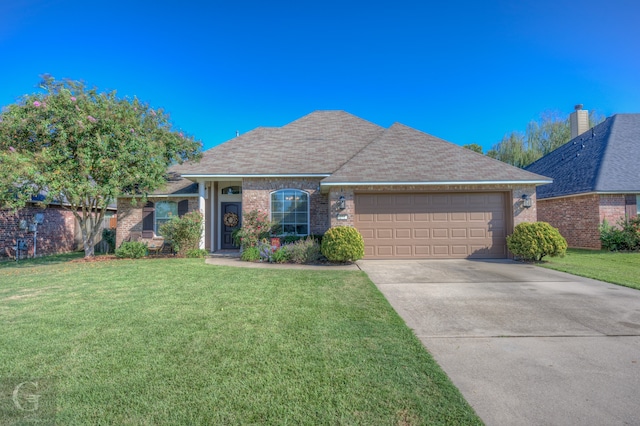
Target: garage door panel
[
  {"x": 422, "y": 250},
  {"x": 385, "y": 234},
  {"x": 421, "y": 217},
  {"x": 403, "y": 233},
  {"x": 440, "y": 233},
  {"x": 440, "y": 217},
  {"x": 458, "y": 217},
  {"x": 403, "y": 217},
  {"x": 439, "y": 250},
  {"x": 404, "y": 251},
  {"x": 438, "y": 225},
  {"x": 366, "y": 217},
  {"x": 384, "y": 251},
  {"x": 459, "y": 233},
  {"x": 462, "y": 250},
  {"x": 478, "y": 233}
]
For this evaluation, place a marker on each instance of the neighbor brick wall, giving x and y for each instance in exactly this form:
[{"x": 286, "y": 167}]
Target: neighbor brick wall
[
  {"x": 577, "y": 219},
  {"x": 55, "y": 235},
  {"x": 256, "y": 194},
  {"x": 130, "y": 215},
  {"x": 612, "y": 208}
]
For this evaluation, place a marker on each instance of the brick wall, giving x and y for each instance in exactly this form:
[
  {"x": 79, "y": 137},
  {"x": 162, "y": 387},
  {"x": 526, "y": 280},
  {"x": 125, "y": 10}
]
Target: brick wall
[
  {"x": 130, "y": 215},
  {"x": 55, "y": 235},
  {"x": 577, "y": 219},
  {"x": 612, "y": 208},
  {"x": 256, "y": 194}
]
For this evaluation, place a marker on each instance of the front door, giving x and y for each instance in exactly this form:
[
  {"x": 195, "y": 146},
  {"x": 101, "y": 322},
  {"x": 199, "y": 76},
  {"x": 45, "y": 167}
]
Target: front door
[{"x": 231, "y": 220}]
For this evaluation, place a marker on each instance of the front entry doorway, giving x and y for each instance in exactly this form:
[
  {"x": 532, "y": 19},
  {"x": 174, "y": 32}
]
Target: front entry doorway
[{"x": 231, "y": 220}]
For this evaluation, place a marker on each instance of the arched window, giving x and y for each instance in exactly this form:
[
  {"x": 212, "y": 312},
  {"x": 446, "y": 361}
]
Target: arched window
[
  {"x": 290, "y": 212},
  {"x": 165, "y": 210}
]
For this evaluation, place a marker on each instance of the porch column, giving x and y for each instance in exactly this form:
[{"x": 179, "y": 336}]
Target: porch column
[{"x": 201, "y": 196}]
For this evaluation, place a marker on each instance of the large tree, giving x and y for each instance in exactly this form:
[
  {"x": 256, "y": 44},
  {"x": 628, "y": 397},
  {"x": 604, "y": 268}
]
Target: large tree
[
  {"x": 542, "y": 136},
  {"x": 83, "y": 149}
]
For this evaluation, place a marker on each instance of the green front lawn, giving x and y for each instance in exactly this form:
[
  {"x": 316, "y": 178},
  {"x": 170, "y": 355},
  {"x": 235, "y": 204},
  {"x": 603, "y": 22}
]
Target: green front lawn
[
  {"x": 612, "y": 267},
  {"x": 175, "y": 341}
]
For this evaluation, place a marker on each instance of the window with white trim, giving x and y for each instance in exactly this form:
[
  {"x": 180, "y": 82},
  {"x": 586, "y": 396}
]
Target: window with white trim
[
  {"x": 165, "y": 210},
  {"x": 290, "y": 212}
]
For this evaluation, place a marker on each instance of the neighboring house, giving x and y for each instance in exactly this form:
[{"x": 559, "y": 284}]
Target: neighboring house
[
  {"x": 411, "y": 195},
  {"x": 595, "y": 177},
  {"x": 59, "y": 231}
]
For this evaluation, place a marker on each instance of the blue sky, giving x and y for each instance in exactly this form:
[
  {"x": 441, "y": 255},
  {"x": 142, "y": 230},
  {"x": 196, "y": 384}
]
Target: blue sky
[{"x": 465, "y": 71}]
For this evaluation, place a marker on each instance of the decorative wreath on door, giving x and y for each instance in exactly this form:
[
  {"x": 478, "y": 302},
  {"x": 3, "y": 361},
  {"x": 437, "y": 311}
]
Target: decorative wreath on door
[{"x": 230, "y": 220}]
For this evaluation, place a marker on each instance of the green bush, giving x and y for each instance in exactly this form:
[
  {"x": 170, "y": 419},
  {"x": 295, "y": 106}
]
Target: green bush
[
  {"x": 109, "y": 236},
  {"x": 132, "y": 250},
  {"x": 534, "y": 240},
  {"x": 250, "y": 254},
  {"x": 281, "y": 255},
  {"x": 183, "y": 233},
  {"x": 197, "y": 253},
  {"x": 342, "y": 244},
  {"x": 303, "y": 251},
  {"x": 624, "y": 236}
]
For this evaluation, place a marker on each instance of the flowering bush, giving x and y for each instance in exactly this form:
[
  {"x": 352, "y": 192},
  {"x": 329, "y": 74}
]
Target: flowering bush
[{"x": 255, "y": 227}]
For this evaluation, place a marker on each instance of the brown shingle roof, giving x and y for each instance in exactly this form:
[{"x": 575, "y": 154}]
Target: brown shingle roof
[
  {"x": 403, "y": 154},
  {"x": 318, "y": 143},
  {"x": 347, "y": 149}
]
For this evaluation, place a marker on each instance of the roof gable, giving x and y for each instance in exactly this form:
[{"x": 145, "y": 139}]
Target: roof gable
[
  {"x": 603, "y": 159},
  {"x": 403, "y": 154},
  {"x": 318, "y": 143}
]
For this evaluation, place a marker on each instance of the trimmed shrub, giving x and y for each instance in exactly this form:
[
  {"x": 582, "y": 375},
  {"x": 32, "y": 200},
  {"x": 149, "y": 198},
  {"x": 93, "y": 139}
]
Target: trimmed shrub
[
  {"x": 303, "y": 251},
  {"x": 250, "y": 254},
  {"x": 197, "y": 253},
  {"x": 534, "y": 240},
  {"x": 342, "y": 244},
  {"x": 184, "y": 233},
  {"x": 132, "y": 250},
  {"x": 624, "y": 236}
]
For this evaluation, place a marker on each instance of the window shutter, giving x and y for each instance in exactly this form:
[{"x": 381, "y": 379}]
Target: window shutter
[
  {"x": 147, "y": 217},
  {"x": 183, "y": 207}
]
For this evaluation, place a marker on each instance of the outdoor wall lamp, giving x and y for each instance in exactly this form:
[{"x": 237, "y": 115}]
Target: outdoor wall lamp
[
  {"x": 526, "y": 201},
  {"x": 342, "y": 204}
]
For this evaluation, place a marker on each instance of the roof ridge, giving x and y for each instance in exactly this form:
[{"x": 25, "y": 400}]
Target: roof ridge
[
  {"x": 364, "y": 147},
  {"x": 605, "y": 144}
]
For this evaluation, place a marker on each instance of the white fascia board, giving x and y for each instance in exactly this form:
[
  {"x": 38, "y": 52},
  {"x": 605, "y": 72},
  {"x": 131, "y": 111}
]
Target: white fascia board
[
  {"x": 162, "y": 196},
  {"x": 475, "y": 182},
  {"x": 202, "y": 176}
]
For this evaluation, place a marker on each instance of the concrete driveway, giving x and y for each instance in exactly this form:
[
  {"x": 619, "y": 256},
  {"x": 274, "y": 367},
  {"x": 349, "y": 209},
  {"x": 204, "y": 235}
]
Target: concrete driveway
[{"x": 525, "y": 345}]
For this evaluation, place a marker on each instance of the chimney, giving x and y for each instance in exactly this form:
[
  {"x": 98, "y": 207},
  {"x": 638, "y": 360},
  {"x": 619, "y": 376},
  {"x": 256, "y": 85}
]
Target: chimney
[{"x": 579, "y": 121}]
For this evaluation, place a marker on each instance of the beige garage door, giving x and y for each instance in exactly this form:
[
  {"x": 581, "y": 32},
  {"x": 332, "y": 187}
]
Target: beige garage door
[{"x": 432, "y": 225}]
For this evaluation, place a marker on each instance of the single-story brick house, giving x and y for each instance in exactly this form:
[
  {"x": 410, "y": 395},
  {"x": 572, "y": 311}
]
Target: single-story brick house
[
  {"x": 411, "y": 195},
  {"x": 595, "y": 177}
]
